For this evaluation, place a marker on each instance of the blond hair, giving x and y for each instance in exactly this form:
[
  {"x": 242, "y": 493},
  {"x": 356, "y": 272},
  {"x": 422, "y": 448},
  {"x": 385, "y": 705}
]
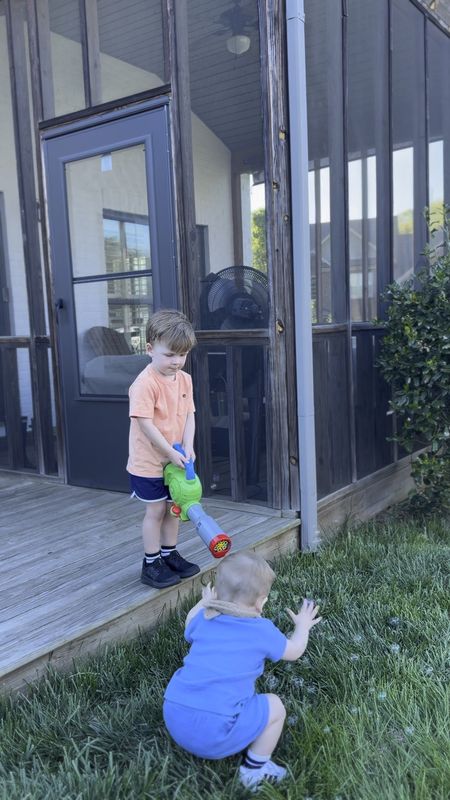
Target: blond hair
[
  {"x": 172, "y": 328},
  {"x": 243, "y": 577}
]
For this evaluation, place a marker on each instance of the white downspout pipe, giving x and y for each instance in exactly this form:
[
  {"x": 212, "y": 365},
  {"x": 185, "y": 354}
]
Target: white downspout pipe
[{"x": 298, "y": 136}]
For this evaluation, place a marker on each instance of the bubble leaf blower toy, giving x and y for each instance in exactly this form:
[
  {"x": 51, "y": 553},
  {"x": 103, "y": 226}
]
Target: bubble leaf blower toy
[{"x": 186, "y": 491}]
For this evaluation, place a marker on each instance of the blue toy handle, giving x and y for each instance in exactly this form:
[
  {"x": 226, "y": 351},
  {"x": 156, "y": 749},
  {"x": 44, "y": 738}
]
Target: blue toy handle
[{"x": 189, "y": 467}]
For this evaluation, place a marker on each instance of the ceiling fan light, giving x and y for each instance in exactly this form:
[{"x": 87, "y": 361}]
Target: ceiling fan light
[{"x": 238, "y": 44}]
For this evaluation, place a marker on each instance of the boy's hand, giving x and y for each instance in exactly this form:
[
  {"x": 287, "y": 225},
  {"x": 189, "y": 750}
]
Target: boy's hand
[
  {"x": 306, "y": 617},
  {"x": 177, "y": 459},
  {"x": 208, "y": 593},
  {"x": 189, "y": 450}
]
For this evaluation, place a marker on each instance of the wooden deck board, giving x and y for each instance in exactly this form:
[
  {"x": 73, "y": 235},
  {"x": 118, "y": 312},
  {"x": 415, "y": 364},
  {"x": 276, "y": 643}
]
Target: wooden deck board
[{"x": 70, "y": 568}]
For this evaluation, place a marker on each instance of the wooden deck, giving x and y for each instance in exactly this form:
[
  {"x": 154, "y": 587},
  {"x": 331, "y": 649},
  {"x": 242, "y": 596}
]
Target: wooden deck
[{"x": 70, "y": 569}]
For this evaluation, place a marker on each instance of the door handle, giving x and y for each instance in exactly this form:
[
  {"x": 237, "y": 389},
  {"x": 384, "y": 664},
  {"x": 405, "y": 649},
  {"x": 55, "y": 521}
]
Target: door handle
[{"x": 59, "y": 305}]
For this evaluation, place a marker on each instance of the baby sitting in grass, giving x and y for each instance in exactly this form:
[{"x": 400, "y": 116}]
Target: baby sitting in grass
[{"x": 210, "y": 707}]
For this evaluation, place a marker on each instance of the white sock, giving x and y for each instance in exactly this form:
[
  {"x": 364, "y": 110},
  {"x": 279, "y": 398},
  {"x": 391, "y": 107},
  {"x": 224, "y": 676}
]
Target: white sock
[
  {"x": 255, "y": 760},
  {"x": 151, "y": 557}
]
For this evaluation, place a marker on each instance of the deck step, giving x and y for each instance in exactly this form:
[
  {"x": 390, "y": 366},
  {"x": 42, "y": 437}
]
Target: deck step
[{"x": 70, "y": 569}]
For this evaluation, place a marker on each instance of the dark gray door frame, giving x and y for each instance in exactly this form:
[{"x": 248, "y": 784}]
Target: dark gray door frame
[{"x": 147, "y": 123}]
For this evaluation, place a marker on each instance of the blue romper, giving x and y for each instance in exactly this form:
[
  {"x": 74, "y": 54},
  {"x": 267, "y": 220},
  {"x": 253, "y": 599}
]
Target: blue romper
[{"x": 210, "y": 705}]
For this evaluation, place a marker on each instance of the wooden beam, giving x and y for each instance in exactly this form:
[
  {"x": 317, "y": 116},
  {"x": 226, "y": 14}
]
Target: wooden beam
[
  {"x": 181, "y": 126},
  {"x": 40, "y": 378},
  {"x": 238, "y": 461},
  {"x": 11, "y": 397},
  {"x": 318, "y": 242},
  {"x": 237, "y": 337},
  {"x": 177, "y": 71},
  {"x": 133, "y": 104},
  {"x": 203, "y": 416},
  {"x": 420, "y": 154},
  {"x": 90, "y": 42},
  {"x": 41, "y": 58},
  {"x": 283, "y": 473},
  {"x": 5, "y": 288},
  {"x": 340, "y": 267},
  {"x": 327, "y": 329},
  {"x": 166, "y": 39},
  {"x": 340, "y": 296},
  {"x": 236, "y": 203},
  {"x": 446, "y": 128},
  {"x": 43, "y": 107},
  {"x": 15, "y": 341}
]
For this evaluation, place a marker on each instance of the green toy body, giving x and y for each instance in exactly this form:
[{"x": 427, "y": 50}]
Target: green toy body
[{"x": 184, "y": 493}]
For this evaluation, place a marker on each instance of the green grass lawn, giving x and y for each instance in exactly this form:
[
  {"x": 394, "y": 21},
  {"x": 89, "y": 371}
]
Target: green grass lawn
[{"x": 368, "y": 704}]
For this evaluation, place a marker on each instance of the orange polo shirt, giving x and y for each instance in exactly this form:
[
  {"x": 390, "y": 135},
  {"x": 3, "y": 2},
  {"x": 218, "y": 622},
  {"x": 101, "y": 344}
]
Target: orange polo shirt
[{"x": 166, "y": 401}]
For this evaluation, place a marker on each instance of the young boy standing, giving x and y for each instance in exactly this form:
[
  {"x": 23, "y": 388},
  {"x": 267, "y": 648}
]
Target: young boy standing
[
  {"x": 210, "y": 707},
  {"x": 161, "y": 414}
]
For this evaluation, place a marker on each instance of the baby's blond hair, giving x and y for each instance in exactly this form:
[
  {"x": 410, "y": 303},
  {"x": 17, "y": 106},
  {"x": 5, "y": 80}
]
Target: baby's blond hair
[
  {"x": 243, "y": 577},
  {"x": 172, "y": 328}
]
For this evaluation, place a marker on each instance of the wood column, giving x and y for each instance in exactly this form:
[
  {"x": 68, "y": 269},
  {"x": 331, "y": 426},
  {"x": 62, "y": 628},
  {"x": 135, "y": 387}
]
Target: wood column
[
  {"x": 39, "y": 364},
  {"x": 283, "y": 477}
]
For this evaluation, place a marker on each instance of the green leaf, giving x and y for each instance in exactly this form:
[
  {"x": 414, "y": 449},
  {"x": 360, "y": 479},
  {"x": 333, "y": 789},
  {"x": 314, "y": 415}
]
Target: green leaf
[{"x": 415, "y": 362}]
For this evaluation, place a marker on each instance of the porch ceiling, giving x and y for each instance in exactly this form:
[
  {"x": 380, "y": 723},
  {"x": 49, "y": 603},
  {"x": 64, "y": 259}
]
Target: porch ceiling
[{"x": 225, "y": 89}]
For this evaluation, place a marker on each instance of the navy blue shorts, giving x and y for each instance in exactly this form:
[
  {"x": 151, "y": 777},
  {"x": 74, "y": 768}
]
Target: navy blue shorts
[{"x": 149, "y": 490}]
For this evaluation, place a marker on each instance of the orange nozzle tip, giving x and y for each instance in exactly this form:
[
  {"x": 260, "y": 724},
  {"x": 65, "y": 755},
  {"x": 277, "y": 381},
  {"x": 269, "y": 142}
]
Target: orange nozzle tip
[{"x": 220, "y": 545}]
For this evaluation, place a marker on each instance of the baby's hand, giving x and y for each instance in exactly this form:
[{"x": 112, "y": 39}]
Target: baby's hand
[
  {"x": 208, "y": 593},
  {"x": 306, "y": 617}
]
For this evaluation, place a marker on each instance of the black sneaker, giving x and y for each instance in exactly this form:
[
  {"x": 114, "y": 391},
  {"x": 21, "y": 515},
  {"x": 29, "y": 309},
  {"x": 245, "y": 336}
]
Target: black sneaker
[
  {"x": 179, "y": 565},
  {"x": 158, "y": 574}
]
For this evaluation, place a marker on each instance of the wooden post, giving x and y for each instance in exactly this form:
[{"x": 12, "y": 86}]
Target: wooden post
[
  {"x": 40, "y": 378},
  {"x": 10, "y": 382},
  {"x": 203, "y": 417},
  {"x": 283, "y": 474},
  {"x": 177, "y": 61},
  {"x": 44, "y": 108},
  {"x": 238, "y": 460},
  {"x": 40, "y": 58},
  {"x": 91, "y": 52},
  {"x": 181, "y": 119},
  {"x": 236, "y": 201}
]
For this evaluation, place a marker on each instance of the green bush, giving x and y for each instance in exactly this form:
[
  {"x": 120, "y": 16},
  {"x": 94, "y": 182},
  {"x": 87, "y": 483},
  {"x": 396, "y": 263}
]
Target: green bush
[{"x": 415, "y": 361}]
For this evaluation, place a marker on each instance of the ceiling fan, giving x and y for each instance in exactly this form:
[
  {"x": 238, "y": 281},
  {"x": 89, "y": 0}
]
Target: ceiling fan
[{"x": 237, "y": 24}]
